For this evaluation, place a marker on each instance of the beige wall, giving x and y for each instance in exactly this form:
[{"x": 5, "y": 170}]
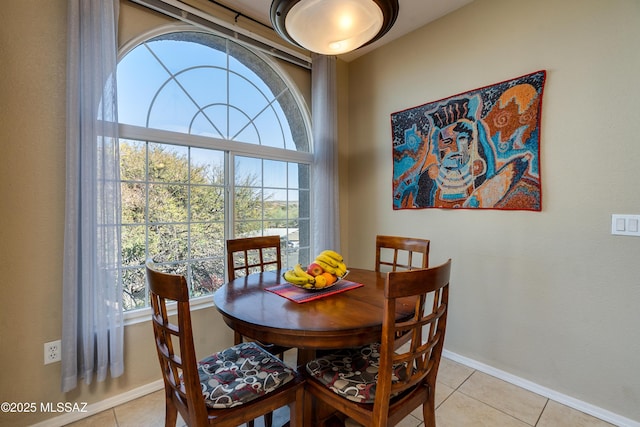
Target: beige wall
[
  {"x": 32, "y": 192},
  {"x": 551, "y": 297}
]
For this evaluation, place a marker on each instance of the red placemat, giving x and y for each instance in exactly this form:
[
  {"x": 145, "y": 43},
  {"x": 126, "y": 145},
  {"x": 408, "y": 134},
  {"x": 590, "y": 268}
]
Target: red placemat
[{"x": 300, "y": 296}]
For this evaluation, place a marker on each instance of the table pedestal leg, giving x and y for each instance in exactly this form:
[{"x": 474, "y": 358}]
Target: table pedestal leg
[{"x": 305, "y": 355}]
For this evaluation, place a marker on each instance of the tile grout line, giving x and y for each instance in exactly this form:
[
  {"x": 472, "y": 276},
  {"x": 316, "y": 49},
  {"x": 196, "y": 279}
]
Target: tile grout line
[
  {"x": 457, "y": 389},
  {"x": 452, "y": 393},
  {"x": 544, "y": 408}
]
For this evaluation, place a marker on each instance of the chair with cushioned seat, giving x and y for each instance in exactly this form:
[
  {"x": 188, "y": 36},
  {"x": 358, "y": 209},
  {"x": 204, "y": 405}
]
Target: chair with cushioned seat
[
  {"x": 226, "y": 389},
  {"x": 252, "y": 255},
  {"x": 395, "y": 253},
  {"x": 383, "y": 382},
  {"x": 248, "y": 255}
]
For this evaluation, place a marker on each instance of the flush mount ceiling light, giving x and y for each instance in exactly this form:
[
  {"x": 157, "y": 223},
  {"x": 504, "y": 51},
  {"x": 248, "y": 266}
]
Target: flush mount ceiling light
[{"x": 332, "y": 27}]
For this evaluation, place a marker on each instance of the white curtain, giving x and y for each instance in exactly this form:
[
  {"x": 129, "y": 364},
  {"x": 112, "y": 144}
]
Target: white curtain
[
  {"x": 92, "y": 318},
  {"x": 324, "y": 106}
]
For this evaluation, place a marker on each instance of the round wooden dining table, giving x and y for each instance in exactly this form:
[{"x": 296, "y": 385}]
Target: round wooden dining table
[{"x": 347, "y": 319}]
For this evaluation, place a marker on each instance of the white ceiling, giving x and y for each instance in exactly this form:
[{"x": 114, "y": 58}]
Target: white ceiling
[{"x": 413, "y": 15}]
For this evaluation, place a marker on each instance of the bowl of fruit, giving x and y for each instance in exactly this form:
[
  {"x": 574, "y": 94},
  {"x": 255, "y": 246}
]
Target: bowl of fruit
[{"x": 325, "y": 271}]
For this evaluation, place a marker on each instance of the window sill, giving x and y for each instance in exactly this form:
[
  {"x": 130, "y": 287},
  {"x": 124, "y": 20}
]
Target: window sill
[{"x": 144, "y": 314}]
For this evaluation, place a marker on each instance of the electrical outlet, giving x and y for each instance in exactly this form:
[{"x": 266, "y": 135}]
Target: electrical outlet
[{"x": 52, "y": 352}]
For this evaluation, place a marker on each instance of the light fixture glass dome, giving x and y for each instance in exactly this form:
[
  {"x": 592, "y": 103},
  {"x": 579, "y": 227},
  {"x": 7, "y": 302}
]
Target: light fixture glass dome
[{"x": 332, "y": 27}]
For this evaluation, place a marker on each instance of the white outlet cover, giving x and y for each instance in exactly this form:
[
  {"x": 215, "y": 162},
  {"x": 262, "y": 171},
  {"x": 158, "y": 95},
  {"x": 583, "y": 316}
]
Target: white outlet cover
[{"x": 52, "y": 352}]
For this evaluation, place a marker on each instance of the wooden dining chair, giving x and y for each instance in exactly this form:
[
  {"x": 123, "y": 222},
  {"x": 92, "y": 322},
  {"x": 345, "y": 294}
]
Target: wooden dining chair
[
  {"x": 385, "y": 381},
  {"x": 401, "y": 253},
  {"x": 228, "y": 388},
  {"x": 247, "y": 255},
  {"x": 252, "y": 255}
]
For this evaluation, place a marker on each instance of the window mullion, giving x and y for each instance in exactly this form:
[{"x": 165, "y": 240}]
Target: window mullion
[
  {"x": 188, "y": 222},
  {"x": 230, "y": 184}
]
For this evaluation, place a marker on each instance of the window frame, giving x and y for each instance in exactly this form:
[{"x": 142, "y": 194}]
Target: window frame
[{"x": 230, "y": 148}]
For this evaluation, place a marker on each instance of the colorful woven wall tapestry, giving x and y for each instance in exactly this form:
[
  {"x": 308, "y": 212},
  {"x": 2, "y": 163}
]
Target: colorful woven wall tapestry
[{"x": 476, "y": 150}]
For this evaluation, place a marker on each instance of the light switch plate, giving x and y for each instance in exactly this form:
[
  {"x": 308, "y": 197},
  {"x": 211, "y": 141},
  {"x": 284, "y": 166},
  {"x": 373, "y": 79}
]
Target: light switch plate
[{"x": 625, "y": 225}]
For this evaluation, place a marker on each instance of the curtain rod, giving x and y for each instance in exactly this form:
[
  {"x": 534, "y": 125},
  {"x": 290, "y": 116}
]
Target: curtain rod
[
  {"x": 238, "y": 13},
  {"x": 186, "y": 13}
]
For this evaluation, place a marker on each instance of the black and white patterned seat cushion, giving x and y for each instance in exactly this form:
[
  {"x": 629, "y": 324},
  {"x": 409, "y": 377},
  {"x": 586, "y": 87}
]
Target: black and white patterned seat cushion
[
  {"x": 352, "y": 373},
  {"x": 240, "y": 374}
]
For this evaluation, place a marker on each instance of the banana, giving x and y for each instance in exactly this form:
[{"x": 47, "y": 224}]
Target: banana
[
  {"x": 341, "y": 269},
  {"x": 328, "y": 260},
  {"x": 291, "y": 277},
  {"x": 300, "y": 272},
  {"x": 328, "y": 268},
  {"x": 333, "y": 254}
]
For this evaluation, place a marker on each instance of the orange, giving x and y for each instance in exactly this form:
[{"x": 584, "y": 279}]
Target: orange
[
  {"x": 321, "y": 282},
  {"x": 330, "y": 278}
]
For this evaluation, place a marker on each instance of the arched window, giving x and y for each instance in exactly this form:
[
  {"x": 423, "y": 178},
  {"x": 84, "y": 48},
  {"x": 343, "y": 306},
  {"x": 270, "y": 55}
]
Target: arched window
[{"x": 214, "y": 144}]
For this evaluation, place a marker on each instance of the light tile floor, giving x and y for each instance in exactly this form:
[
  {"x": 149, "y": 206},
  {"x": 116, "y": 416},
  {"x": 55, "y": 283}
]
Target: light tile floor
[{"x": 464, "y": 398}]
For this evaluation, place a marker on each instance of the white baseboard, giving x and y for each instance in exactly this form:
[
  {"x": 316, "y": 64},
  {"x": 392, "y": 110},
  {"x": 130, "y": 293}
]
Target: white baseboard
[
  {"x": 103, "y": 405},
  {"x": 569, "y": 401}
]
